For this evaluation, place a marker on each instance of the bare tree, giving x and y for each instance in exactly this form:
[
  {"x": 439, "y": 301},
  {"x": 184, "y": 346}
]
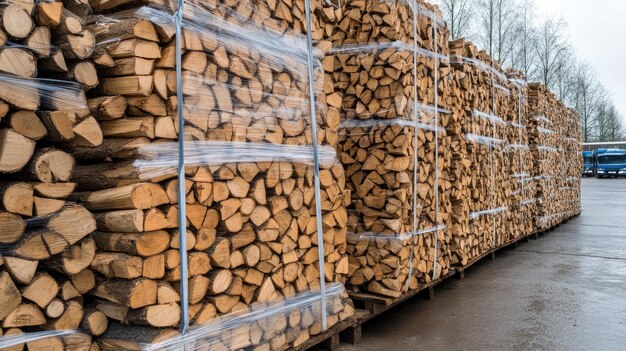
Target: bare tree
[
  {"x": 609, "y": 126},
  {"x": 550, "y": 43},
  {"x": 614, "y": 127},
  {"x": 498, "y": 19},
  {"x": 564, "y": 71},
  {"x": 458, "y": 15},
  {"x": 585, "y": 96},
  {"x": 524, "y": 55}
]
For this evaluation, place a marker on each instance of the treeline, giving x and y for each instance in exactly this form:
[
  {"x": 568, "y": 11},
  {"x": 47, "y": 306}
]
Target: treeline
[{"x": 512, "y": 32}]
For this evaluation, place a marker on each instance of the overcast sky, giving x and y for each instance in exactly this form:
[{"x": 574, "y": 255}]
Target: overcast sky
[{"x": 597, "y": 29}]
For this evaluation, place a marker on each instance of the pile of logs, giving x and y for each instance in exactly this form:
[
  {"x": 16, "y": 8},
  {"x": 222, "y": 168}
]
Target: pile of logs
[
  {"x": 522, "y": 205},
  {"x": 555, "y": 144},
  {"x": 388, "y": 141},
  {"x": 480, "y": 99},
  {"x": 45, "y": 238},
  {"x": 252, "y": 231}
]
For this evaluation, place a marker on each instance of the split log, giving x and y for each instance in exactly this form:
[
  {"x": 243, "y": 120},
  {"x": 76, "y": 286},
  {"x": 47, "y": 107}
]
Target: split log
[
  {"x": 134, "y": 196},
  {"x": 130, "y": 293},
  {"x": 76, "y": 46},
  {"x": 27, "y": 124},
  {"x": 17, "y": 198},
  {"x": 18, "y": 62},
  {"x": 15, "y": 150},
  {"x": 10, "y": 297},
  {"x": 16, "y": 22},
  {"x": 107, "y": 107},
  {"x": 142, "y": 244}
]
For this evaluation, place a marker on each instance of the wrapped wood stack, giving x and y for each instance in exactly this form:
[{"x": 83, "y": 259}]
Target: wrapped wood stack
[
  {"x": 385, "y": 79},
  {"x": 45, "y": 237},
  {"x": 522, "y": 207},
  {"x": 480, "y": 100},
  {"x": 573, "y": 163},
  {"x": 555, "y": 143},
  {"x": 249, "y": 188}
]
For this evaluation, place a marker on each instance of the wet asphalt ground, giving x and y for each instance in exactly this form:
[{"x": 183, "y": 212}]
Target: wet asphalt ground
[{"x": 565, "y": 291}]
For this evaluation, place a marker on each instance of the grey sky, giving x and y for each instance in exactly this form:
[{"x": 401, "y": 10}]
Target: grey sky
[{"x": 597, "y": 30}]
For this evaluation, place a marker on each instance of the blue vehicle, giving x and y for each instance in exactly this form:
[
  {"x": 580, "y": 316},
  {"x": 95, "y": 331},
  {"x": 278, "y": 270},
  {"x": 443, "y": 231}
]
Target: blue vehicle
[
  {"x": 610, "y": 163},
  {"x": 589, "y": 163}
]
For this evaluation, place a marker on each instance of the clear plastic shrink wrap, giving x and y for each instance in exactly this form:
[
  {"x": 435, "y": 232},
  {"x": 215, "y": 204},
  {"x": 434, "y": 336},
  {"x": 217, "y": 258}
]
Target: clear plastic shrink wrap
[{"x": 265, "y": 325}]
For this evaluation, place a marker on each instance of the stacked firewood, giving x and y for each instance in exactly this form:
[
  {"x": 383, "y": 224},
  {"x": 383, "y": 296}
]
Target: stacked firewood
[
  {"x": 480, "y": 97},
  {"x": 522, "y": 205},
  {"x": 554, "y": 139},
  {"x": 572, "y": 163},
  {"x": 388, "y": 142},
  {"x": 252, "y": 231},
  {"x": 45, "y": 238}
]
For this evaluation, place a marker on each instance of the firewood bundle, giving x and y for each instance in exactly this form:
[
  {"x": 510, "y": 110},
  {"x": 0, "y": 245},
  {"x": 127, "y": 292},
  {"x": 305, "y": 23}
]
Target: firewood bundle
[
  {"x": 250, "y": 195},
  {"x": 480, "y": 96},
  {"x": 388, "y": 143},
  {"x": 555, "y": 143},
  {"x": 45, "y": 236},
  {"x": 572, "y": 163},
  {"x": 522, "y": 207}
]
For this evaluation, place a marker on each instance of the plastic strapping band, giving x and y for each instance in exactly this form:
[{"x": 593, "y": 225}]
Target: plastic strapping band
[
  {"x": 182, "y": 201},
  {"x": 316, "y": 165},
  {"x": 436, "y": 239},
  {"x": 415, "y": 159},
  {"x": 548, "y": 148},
  {"x": 493, "y": 124}
]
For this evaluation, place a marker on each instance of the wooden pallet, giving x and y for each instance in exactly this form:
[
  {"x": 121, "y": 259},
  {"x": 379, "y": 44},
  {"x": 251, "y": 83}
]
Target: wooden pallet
[
  {"x": 377, "y": 304},
  {"x": 329, "y": 340}
]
